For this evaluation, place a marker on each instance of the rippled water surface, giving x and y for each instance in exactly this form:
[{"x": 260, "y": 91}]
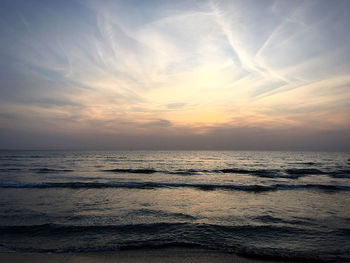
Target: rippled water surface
[{"x": 291, "y": 205}]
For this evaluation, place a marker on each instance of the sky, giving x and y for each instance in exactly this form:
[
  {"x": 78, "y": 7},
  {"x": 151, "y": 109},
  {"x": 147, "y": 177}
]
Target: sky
[{"x": 201, "y": 75}]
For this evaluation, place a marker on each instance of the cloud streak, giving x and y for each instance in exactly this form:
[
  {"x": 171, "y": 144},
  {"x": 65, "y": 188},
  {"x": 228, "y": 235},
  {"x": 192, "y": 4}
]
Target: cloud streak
[{"x": 184, "y": 68}]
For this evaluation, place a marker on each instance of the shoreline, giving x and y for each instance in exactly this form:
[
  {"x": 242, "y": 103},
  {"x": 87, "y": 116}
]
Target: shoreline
[{"x": 169, "y": 255}]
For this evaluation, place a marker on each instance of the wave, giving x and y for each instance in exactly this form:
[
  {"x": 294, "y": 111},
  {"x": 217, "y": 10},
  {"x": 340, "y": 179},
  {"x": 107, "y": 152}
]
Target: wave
[
  {"x": 244, "y": 171},
  {"x": 261, "y": 254},
  {"x": 303, "y": 163},
  {"x": 155, "y": 185},
  {"x": 293, "y": 173},
  {"x": 302, "y": 171},
  {"x": 226, "y": 238},
  {"x": 262, "y": 173},
  {"x": 45, "y": 229},
  {"x": 344, "y": 174},
  {"x": 186, "y": 172},
  {"x": 259, "y": 173},
  {"x": 138, "y": 171},
  {"x": 15, "y": 157},
  {"x": 151, "y": 171},
  {"x": 271, "y": 219},
  {"x": 10, "y": 169},
  {"x": 160, "y": 213},
  {"x": 309, "y": 163},
  {"x": 49, "y": 170}
]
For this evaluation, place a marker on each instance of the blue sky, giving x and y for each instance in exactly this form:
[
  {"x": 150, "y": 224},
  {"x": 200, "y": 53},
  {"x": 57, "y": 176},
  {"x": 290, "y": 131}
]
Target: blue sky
[{"x": 161, "y": 74}]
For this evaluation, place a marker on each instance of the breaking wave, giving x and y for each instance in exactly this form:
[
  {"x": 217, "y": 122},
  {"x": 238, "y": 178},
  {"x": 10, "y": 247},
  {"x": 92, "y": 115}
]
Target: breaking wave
[{"x": 154, "y": 185}]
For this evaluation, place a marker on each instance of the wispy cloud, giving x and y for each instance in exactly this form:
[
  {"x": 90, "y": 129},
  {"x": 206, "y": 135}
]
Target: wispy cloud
[{"x": 123, "y": 65}]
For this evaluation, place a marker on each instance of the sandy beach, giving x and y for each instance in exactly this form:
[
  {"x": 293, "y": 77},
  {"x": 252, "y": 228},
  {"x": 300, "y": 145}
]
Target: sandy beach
[{"x": 131, "y": 256}]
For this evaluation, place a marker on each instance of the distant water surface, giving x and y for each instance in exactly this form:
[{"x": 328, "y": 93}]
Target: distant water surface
[{"x": 286, "y": 205}]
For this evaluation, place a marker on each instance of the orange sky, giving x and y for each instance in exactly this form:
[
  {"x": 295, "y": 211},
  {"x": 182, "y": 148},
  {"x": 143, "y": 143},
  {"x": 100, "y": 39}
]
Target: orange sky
[{"x": 175, "y": 68}]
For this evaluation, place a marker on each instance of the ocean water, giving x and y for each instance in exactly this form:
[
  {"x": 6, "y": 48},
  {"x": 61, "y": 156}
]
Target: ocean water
[{"x": 283, "y": 205}]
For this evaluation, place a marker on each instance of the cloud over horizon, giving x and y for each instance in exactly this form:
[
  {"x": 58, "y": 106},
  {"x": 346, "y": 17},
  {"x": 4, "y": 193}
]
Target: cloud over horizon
[{"x": 176, "y": 71}]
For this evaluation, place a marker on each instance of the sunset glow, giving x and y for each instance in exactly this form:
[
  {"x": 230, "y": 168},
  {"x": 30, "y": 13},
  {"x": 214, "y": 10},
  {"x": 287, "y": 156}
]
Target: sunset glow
[{"x": 160, "y": 68}]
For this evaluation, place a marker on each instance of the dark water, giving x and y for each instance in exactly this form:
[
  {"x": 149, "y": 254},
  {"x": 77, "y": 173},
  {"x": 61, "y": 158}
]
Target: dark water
[{"x": 287, "y": 205}]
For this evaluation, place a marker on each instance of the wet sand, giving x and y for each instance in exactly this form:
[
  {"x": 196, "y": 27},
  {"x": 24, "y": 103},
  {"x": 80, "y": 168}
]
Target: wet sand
[{"x": 131, "y": 256}]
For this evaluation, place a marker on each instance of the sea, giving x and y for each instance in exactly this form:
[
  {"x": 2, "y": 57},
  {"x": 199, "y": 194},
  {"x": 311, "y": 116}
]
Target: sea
[{"x": 269, "y": 205}]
